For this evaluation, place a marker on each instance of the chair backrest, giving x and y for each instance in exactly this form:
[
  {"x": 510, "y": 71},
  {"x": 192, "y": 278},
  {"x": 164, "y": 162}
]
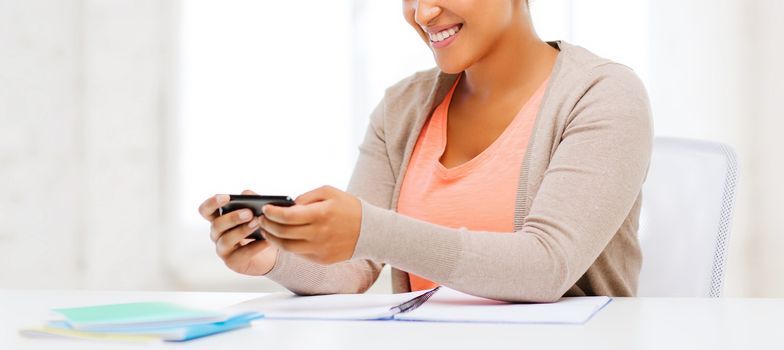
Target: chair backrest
[{"x": 687, "y": 204}]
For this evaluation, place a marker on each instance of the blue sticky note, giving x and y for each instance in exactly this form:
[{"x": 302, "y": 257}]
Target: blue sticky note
[{"x": 169, "y": 333}]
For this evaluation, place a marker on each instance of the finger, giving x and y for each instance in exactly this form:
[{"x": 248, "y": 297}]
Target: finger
[
  {"x": 215, "y": 235},
  {"x": 209, "y": 208},
  {"x": 295, "y": 215},
  {"x": 285, "y": 231},
  {"x": 295, "y": 246},
  {"x": 230, "y": 220},
  {"x": 245, "y": 253},
  {"x": 317, "y": 195},
  {"x": 249, "y": 192},
  {"x": 231, "y": 240}
]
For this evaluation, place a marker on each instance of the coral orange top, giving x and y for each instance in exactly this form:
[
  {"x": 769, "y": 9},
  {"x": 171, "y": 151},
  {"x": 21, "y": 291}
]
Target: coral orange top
[{"x": 478, "y": 195}]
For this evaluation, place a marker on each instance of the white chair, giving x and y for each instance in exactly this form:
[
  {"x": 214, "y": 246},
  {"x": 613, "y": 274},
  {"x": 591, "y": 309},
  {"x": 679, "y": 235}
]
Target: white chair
[{"x": 687, "y": 204}]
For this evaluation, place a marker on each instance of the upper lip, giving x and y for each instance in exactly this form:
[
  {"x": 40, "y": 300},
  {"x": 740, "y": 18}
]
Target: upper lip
[{"x": 437, "y": 29}]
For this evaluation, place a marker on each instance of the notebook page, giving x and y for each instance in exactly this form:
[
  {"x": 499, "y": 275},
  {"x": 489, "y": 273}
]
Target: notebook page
[
  {"x": 449, "y": 305},
  {"x": 327, "y": 307}
]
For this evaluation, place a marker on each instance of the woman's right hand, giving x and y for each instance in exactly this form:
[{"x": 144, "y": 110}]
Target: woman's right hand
[{"x": 228, "y": 232}]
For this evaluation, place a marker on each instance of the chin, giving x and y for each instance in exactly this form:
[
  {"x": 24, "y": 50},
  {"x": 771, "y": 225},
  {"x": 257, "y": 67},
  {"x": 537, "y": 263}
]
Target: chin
[{"x": 451, "y": 66}]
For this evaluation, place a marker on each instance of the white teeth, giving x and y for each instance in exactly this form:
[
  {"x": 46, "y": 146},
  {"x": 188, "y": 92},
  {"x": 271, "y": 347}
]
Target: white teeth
[{"x": 444, "y": 34}]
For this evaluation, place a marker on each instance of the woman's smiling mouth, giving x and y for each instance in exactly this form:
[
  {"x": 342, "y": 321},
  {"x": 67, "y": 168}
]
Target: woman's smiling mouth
[{"x": 443, "y": 36}]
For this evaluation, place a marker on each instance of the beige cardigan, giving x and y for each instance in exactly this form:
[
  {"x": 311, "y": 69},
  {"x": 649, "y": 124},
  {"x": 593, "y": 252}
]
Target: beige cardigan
[{"x": 577, "y": 206}]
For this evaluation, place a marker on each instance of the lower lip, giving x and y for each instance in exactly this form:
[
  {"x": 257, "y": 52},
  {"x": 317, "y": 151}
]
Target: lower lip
[{"x": 445, "y": 42}]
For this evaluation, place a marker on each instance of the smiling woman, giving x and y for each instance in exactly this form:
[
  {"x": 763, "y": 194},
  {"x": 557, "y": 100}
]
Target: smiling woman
[
  {"x": 124, "y": 143},
  {"x": 511, "y": 171}
]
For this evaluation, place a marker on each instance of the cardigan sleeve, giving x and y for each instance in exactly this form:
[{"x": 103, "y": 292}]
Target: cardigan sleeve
[
  {"x": 373, "y": 182},
  {"x": 594, "y": 176}
]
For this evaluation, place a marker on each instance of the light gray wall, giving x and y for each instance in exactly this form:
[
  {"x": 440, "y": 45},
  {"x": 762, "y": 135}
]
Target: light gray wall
[
  {"x": 82, "y": 105},
  {"x": 41, "y": 151},
  {"x": 765, "y": 124}
]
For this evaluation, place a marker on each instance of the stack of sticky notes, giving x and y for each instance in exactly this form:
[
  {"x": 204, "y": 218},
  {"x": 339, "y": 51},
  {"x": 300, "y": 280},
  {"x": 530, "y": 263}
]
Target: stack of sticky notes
[{"x": 145, "y": 321}]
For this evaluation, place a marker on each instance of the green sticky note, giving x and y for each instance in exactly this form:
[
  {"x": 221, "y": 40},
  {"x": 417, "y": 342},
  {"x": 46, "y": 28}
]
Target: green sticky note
[{"x": 136, "y": 315}]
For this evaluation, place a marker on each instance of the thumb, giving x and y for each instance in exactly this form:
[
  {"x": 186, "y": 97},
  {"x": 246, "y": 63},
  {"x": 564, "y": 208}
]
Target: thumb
[
  {"x": 317, "y": 195},
  {"x": 249, "y": 192}
]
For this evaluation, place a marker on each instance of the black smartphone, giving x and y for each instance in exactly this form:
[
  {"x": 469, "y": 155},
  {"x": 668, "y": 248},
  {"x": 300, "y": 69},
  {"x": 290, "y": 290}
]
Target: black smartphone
[{"x": 254, "y": 203}]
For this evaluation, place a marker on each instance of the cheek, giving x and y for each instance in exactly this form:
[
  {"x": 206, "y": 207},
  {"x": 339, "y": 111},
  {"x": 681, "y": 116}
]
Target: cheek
[
  {"x": 483, "y": 37},
  {"x": 476, "y": 40},
  {"x": 468, "y": 48}
]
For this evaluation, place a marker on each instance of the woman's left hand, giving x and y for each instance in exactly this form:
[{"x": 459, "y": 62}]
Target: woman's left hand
[{"x": 322, "y": 227}]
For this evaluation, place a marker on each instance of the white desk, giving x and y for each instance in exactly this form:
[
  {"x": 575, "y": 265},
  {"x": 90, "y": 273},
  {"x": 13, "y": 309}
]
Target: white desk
[{"x": 627, "y": 323}]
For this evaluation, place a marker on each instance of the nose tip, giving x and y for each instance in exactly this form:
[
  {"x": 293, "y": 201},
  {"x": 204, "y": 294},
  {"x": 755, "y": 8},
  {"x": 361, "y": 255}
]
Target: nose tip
[{"x": 426, "y": 13}]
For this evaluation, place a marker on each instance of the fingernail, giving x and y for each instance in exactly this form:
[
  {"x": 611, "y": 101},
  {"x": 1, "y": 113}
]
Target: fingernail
[
  {"x": 253, "y": 223},
  {"x": 222, "y": 198},
  {"x": 245, "y": 215},
  {"x": 264, "y": 209}
]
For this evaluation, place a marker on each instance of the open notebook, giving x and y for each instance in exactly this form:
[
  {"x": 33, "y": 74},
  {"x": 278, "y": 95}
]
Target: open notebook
[{"x": 436, "y": 305}]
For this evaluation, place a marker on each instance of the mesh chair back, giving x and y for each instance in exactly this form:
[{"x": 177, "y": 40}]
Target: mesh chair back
[{"x": 687, "y": 206}]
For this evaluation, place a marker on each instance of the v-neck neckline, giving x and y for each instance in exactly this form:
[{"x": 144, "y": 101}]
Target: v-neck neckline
[{"x": 441, "y": 126}]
